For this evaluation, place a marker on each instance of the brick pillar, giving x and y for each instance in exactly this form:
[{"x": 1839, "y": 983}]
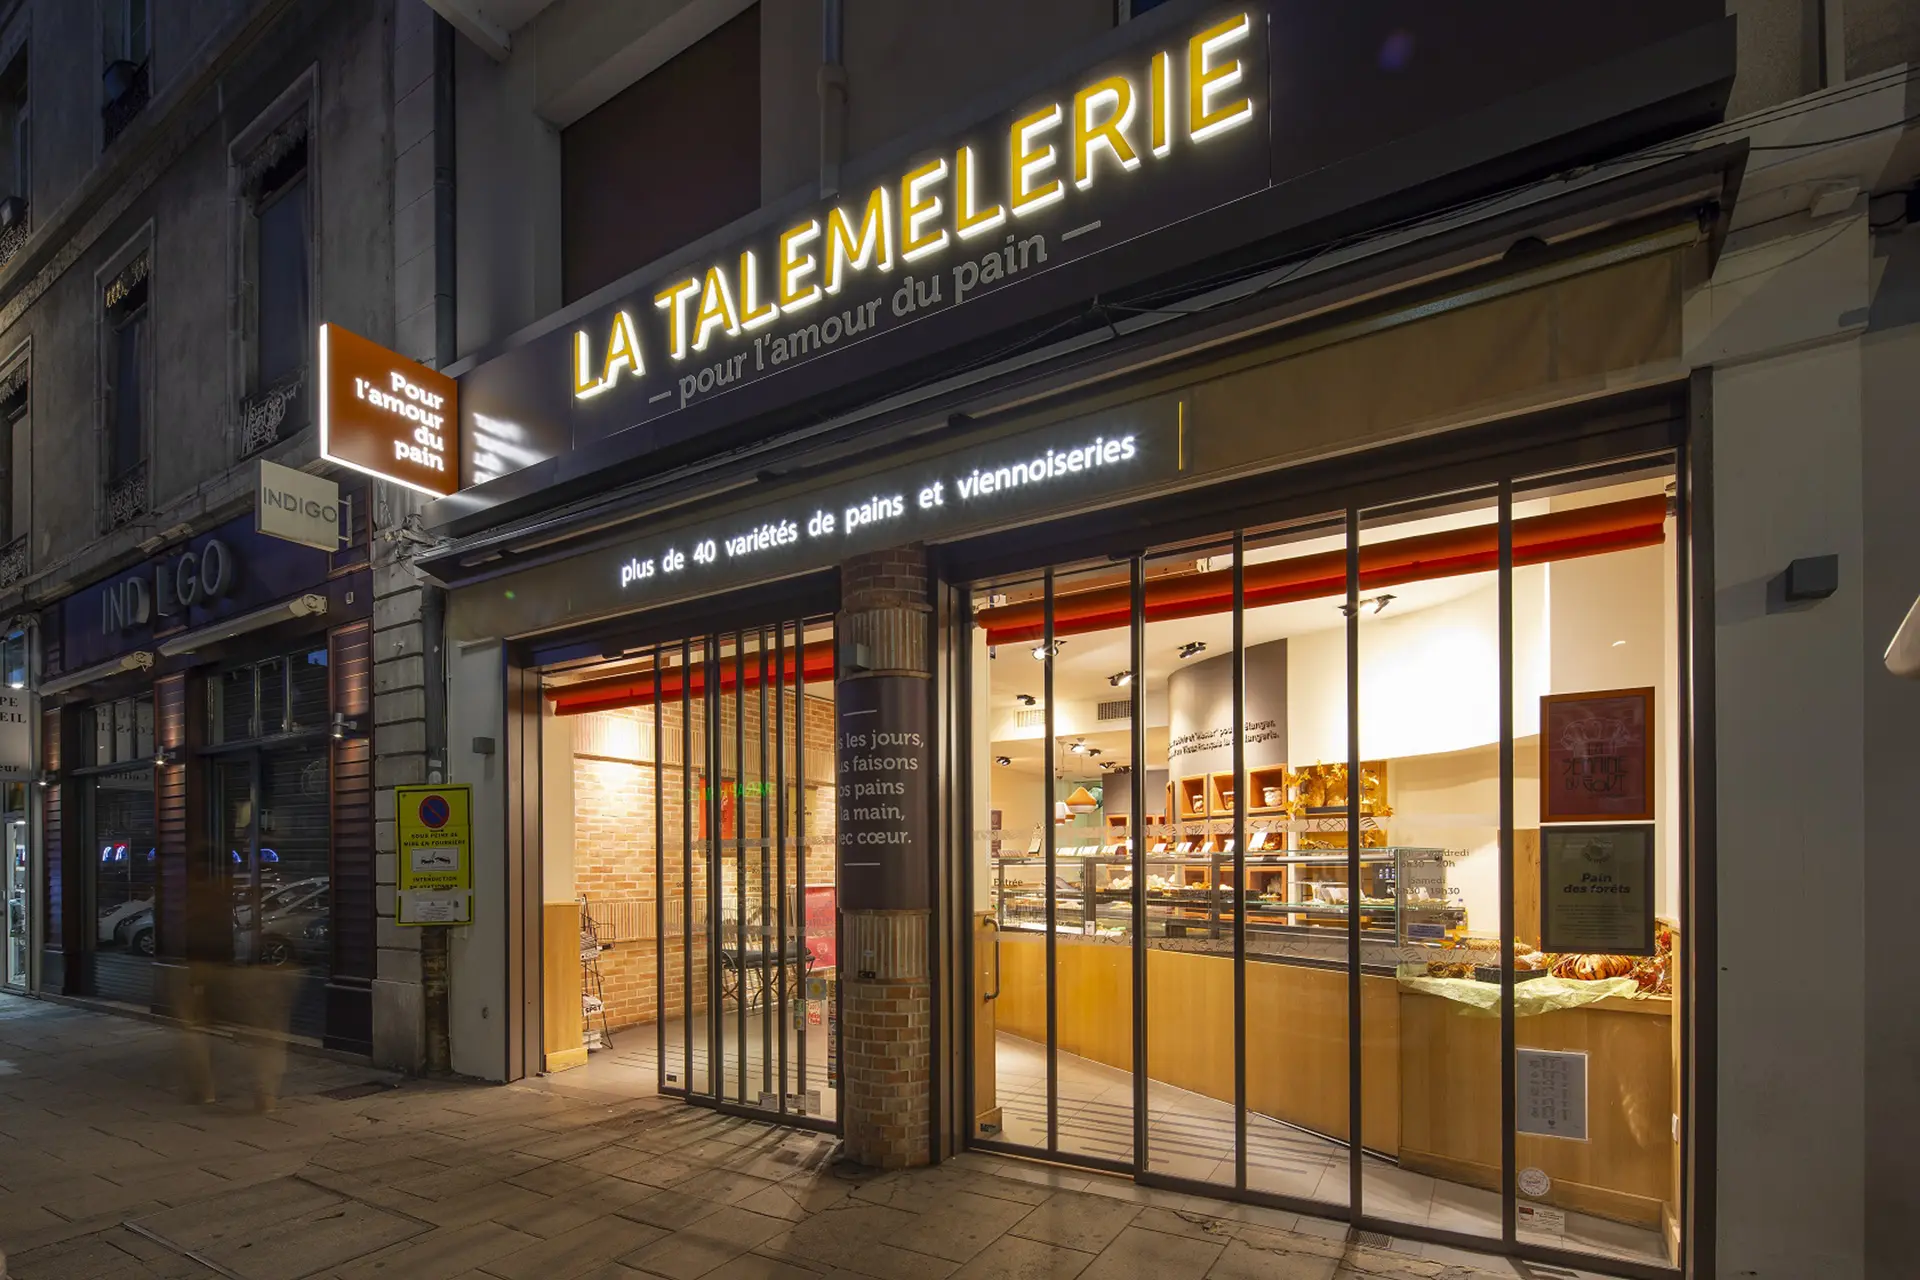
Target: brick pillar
[{"x": 886, "y": 1059}]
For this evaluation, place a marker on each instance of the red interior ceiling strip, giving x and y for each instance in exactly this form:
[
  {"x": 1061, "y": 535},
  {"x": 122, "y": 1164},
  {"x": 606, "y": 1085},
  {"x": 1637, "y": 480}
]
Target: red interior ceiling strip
[
  {"x": 1561, "y": 535},
  {"x": 637, "y": 690}
]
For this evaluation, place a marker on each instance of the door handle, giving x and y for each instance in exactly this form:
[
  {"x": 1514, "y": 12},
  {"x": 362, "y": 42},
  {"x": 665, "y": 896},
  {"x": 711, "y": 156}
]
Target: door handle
[{"x": 995, "y": 994}]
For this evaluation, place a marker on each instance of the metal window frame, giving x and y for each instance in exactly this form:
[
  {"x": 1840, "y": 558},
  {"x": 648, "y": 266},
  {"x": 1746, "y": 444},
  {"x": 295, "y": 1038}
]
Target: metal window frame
[{"x": 1684, "y": 447}]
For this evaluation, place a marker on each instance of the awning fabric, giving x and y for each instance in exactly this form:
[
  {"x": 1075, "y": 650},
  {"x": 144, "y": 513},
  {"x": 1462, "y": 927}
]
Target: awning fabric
[
  {"x": 1561, "y": 535},
  {"x": 638, "y": 690}
]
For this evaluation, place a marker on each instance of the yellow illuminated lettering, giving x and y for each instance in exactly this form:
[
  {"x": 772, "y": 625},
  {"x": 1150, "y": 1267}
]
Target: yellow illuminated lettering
[
  {"x": 673, "y": 301},
  {"x": 753, "y": 312},
  {"x": 716, "y": 310},
  {"x": 1160, "y": 89},
  {"x": 584, "y": 384},
  {"x": 796, "y": 266},
  {"x": 623, "y": 350},
  {"x": 1205, "y": 80},
  {"x": 1029, "y": 162},
  {"x": 918, "y": 208},
  {"x": 969, "y": 219},
  {"x": 1114, "y": 97},
  {"x": 851, "y": 246}
]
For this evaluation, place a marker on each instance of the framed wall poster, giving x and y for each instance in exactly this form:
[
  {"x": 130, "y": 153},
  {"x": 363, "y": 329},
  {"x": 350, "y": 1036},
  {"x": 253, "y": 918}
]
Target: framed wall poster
[
  {"x": 1596, "y": 890},
  {"x": 1596, "y": 756}
]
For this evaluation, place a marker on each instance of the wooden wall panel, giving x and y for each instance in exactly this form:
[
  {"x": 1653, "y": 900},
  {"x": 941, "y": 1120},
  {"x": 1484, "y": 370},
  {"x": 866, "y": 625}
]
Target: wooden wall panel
[
  {"x": 170, "y": 814},
  {"x": 350, "y": 657}
]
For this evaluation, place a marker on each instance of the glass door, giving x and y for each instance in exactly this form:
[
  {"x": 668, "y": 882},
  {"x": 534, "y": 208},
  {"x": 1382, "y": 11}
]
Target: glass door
[
  {"x": 13, "y": 847},
  {"x": 766, "y": 800},
  {"x": 701, "y": 842},
  {"x": 1338, "y": 865}
]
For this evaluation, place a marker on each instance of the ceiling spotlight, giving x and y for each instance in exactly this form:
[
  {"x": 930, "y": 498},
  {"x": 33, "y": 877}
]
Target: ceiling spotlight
[
  {"x": 1078, "y": 748},
  {"x": 1378, "y": 602},
  {"x": 1026, "y": 699},
  {"x": 1120, "y": 679},
  {"x": 1106, "y": 764},
  {"x": 1091, "y": 751},
  {"x": 1003, "y": 760},
  {"x": 1192, "y": 647},
  {"x": 1041, "y": 652}
]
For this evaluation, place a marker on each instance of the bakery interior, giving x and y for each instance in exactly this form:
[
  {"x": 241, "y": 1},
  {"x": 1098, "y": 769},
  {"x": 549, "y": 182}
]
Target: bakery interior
[{"x": 1593, "y": 592}]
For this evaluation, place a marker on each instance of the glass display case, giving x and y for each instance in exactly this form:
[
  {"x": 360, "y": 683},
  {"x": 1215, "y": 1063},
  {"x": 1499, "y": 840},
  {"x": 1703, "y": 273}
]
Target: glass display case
[{"x": 1404, "y": 893}]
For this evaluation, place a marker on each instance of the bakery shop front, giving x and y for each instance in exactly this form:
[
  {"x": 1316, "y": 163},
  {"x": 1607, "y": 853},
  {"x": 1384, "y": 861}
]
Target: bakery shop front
[{"x": 1208, "y": 694}]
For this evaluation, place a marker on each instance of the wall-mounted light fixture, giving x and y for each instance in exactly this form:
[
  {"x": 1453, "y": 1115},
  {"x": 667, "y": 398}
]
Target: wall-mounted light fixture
[
  {"x": 166, "y": 756},
  {"x": 49, "y": 780},
  {"x": 1120, "y": 679},
  {"x": 1192, "y": 647},
  {"x": 346, "y": 726}
]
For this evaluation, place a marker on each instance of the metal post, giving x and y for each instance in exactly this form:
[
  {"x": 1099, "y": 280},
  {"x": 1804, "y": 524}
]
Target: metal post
[{"x": 1052, "y": 898}]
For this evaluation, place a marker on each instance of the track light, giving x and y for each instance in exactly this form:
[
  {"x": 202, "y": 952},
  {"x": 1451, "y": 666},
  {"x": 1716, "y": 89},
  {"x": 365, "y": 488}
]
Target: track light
[
  {"x": 1078, "y": 748},
  {"x": 1041, "y": 652},
  {"x": 1378, "y": 602},
  {"x": 1120, "y": 679},
  {"x": 1003, "y": 761},
  {"x": 1026, "y": 699},
  {"x": 1091, "y": 752},
  {"x": 1192, "y": 647}
]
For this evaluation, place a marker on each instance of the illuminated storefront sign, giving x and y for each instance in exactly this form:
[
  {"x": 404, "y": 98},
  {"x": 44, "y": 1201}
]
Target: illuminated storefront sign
[
  {"x": 914, "y": 255},
  {"x": 383, "y": 414},
  {"x": 964, "y": 221},
  {"x": 965, "y": 491}
]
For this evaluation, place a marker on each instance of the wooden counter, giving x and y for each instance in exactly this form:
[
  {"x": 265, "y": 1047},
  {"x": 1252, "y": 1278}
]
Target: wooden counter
[
  {"x": 1429, "y": 1067},
  {"x": 1450, "y": 1125},
  {"x": 1296, "y": 1027}
]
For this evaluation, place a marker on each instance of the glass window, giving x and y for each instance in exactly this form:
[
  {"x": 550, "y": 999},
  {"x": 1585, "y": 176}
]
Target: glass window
[
  {"x": 126, "y": 422},
  {"x": 123, "y": 856},
  {"x": 282, "y": 246},
  {"x": 307, "y": 690}
]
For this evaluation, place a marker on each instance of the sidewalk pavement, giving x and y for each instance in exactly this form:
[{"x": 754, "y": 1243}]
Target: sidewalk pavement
[{"x": 107, "y": 1173}]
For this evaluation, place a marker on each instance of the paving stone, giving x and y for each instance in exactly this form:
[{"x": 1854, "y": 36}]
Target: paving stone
[
  {"x": 1014, "y": 1258},
  {"x": 960, "y": 1226},
  {"x": 1077, "y": 1221},
  {"x": 1242, "y": 1261},
  {"x": 1136, "y": 1253},
  {"x": 714, "y": 1240},
  {"x": 576, "y": 1252}
]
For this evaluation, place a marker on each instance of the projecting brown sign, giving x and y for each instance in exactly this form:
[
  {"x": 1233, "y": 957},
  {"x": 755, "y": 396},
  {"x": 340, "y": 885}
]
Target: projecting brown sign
[{"x": 383, "y": 414}]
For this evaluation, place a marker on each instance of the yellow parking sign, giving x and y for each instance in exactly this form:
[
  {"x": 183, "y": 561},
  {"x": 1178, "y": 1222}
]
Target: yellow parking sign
[{"x": 434, "y": 835}]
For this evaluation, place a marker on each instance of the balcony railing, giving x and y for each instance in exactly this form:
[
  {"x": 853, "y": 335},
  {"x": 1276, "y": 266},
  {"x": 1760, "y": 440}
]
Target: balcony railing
[
  {"x": 272, "y": 415},
  {"x": 13, "y": 233},
  {"x": 14, "y": 562},
  {"x": 127, "y": 497},
  {"x": 127, "y": 103}
]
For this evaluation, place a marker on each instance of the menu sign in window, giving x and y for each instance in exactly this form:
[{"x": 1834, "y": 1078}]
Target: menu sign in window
[
  {"x": 386, "y": 415},
  {"x": 1596, "y": 756},
  {"x": 1596, "y": 890}
]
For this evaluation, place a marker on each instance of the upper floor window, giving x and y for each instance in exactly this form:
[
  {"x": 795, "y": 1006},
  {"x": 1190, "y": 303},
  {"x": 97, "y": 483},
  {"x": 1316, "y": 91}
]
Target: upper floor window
[
  {"x": 279, "y": 248},
  {"x": 16, "y": 155},
  {"x": 126, "y": 37},
  {"x": 616, "y": 215},
  {"x": 126, "y": 361},
  {"x": 16, "y": 475}
]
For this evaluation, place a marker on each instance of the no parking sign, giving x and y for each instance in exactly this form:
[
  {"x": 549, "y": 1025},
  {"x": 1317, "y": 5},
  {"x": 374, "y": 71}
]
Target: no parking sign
[{"x": 434, "y": 827}]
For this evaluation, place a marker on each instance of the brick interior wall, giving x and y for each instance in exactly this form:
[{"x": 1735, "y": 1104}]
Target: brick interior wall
[{"x": 614, "y": 840}]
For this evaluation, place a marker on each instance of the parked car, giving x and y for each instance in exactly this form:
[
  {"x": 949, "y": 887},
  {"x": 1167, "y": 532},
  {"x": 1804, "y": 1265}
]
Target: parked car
[
  {"x": 139, "y": 930},
  {"x": 116, "y": 917},
  {"x": 297, "y": 933}
]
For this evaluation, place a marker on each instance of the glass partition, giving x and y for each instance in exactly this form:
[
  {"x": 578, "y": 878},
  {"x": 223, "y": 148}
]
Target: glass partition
[{"x": 1362, "y": 825}]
